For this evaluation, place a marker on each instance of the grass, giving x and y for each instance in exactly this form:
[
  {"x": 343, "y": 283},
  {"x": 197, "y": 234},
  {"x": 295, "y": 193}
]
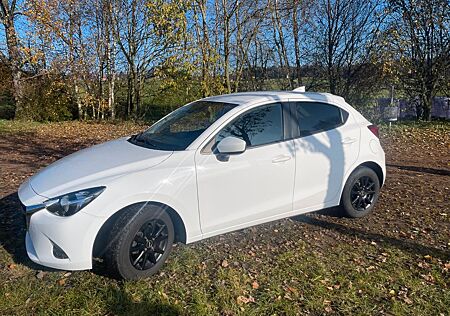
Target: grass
[
  {"x": 288, "y": 267},
  {"x": 341, "y": 281}
]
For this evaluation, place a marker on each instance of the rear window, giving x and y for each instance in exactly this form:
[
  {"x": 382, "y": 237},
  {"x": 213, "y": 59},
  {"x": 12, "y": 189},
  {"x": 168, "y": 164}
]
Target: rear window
[{"x": 315, "y": 117}]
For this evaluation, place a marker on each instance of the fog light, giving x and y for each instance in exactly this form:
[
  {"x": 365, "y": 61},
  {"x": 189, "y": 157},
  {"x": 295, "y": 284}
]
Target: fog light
[{"x": 58, "y": 253}]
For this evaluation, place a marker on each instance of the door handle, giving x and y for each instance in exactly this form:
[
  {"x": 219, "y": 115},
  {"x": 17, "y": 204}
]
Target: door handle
[
  {"x": 349, "y": 140},
  {"x": 281, "y": 158}
]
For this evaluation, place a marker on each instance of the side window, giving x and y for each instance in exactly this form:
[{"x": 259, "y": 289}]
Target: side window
[
  {"x": 259, "y": 126},
  {"x": 317, "y": 117}
]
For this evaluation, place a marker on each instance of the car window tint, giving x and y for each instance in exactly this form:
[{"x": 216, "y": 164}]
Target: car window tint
[
  {"x": 181, "y": 127},
  {"x": 316, "y": 117},
  {"x": 260, "y": 126}
]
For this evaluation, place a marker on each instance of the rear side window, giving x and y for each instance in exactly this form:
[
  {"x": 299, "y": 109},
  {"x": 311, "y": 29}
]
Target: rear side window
[
  {"x": 315, "y": 117},
  {"x": 260, "y": 126}
]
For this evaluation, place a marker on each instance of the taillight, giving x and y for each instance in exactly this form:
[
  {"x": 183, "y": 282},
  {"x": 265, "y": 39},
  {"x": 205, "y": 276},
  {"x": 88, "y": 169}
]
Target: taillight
[{"x": 374, "y": 130}]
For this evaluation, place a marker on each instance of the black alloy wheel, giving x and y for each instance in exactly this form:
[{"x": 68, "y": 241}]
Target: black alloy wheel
[
  {"x": 140, "y": 242},
  {"x": 149, "y": 244},
  {"x": 360, "y": 192},
  {"x": 363, "y": 193}
]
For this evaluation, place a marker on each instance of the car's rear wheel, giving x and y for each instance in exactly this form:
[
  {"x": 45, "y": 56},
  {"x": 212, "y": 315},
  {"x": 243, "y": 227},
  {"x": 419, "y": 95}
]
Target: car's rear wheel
[
  {"x": 360, "y": 192},
  {"x": 142, "y": 239}
]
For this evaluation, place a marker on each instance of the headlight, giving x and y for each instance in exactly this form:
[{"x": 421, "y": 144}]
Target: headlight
[{"x": 71, "y": 203}]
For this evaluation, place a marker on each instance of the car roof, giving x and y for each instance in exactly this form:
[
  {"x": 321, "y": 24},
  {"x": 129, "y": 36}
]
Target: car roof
[{"x": 243, "y": 98}]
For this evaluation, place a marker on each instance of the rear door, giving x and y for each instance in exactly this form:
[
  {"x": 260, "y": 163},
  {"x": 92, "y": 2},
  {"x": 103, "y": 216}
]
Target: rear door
[
  {"x": 248, "y": 188},
  {"x": 327, "y": 147}
]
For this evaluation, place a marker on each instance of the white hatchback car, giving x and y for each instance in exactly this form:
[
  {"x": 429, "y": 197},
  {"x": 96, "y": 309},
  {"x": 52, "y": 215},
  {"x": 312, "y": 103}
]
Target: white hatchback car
[{"x": 212, "y": 166}]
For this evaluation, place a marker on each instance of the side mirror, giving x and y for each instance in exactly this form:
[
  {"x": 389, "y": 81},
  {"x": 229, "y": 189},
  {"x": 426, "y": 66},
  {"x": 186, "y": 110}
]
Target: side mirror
[{"x": 231, "y": 145}]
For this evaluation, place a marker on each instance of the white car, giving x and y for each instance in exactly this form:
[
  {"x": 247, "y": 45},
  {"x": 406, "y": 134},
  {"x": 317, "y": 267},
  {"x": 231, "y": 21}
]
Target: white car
[{"x": 212, "y": 166}]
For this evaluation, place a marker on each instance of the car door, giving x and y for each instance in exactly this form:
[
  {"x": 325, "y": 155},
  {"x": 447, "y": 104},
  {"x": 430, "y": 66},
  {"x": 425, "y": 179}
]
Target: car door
[
  {"x": 248, "y": 188},
  {"x": 327, "y": 147}
]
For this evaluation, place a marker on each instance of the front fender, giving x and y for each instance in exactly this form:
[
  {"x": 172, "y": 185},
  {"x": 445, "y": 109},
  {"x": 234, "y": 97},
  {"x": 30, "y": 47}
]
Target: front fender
[{"x": 172, "y": 183}]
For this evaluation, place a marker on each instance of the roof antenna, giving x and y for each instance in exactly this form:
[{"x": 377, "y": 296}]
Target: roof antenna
[{"x": 300, "y": 89}]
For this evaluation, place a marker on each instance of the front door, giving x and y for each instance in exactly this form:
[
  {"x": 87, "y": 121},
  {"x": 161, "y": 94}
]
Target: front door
[{"x": 248, "y": 188}]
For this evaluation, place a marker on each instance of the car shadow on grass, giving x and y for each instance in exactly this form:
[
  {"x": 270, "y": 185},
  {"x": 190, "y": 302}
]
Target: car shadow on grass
[
  {"x": 13, "y": 231},
  {"x": 440, "y": 172},
  {"x": 403, "y": 244},
  {"x": 120, "y": 303}
]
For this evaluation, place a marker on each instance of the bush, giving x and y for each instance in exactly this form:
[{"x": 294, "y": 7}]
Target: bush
[
  {"x": 7, "y": 108},
  {"x": 48, "y": 99}
]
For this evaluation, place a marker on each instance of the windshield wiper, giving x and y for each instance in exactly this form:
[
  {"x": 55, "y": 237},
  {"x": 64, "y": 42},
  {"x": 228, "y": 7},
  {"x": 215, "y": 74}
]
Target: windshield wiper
[
  {"x": 135, "y": 136},
  {"x": 136, "y": 139}
]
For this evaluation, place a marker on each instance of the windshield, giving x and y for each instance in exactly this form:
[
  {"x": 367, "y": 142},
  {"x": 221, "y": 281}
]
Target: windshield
[{"x": 181, "y": 127}]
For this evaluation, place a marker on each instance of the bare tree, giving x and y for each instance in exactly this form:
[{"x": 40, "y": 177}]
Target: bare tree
[
  {"x": 147, "y": 33},
  {"x": 341, "y": 35},
  {"x": 419, "y": 42}
]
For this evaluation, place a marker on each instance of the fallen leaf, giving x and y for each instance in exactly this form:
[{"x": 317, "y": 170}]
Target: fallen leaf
[
  {"x": 40, "y": 275},
  {"x": 245, "y": 300},
  {"x": 407, "y": 300},
  {"x": 12, "y": 266},
  {"x": 292, "y": 289}
]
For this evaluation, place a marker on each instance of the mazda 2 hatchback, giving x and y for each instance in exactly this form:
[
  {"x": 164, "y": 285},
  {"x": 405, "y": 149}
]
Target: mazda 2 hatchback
[{"x": 212, "y": 166}]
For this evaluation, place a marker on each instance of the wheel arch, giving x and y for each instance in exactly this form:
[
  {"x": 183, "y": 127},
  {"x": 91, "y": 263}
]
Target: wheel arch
[
  {"x": 369, "y": 164},
  {"x": 375, "y": 167},
  {"x": 101, "y": 239}
]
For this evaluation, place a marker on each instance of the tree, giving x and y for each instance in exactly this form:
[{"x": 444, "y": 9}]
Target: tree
[
  {"x": 341, "y": 35},
  {"x": 418, "y": 46},
  {"x": 65, "y": 23},
  {"x": 8, "y": 13},
  {"x": 147, "y": 33}
]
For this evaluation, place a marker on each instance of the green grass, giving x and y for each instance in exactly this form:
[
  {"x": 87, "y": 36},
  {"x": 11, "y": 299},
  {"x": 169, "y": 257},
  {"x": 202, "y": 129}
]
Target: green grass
[
  {"x": 343, "y": 281},
  {"x": 9, "y": 126}
]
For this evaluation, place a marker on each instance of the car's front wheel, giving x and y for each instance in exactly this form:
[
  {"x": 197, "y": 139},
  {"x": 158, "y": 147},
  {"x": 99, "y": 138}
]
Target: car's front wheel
[
  {"x": 360, "y": 192},
  {"x": 142, "y": 238}
]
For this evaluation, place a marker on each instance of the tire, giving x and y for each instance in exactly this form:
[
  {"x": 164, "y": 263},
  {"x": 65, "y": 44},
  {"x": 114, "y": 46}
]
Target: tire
[
  {"x": 360, "y": 193},
  {"x": 142, "y": 238}
]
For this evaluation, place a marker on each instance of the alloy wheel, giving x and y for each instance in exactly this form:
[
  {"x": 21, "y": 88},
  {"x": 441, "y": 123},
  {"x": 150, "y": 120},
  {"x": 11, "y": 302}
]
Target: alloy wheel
[
  {"x": 149, "y": 244},
  {"x": 362, "y": 193}
]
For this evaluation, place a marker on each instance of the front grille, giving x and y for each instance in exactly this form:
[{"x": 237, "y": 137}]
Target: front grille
[
  {"x": 30, "y": 210},
  {"x": 27, "y": 220},
  {"x": 26, "y": 216},
  {"x": 24, "y": 210}
]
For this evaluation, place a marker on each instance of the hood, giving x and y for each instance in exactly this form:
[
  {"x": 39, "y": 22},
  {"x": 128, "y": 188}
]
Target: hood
[{"x": 86, "y": 167}]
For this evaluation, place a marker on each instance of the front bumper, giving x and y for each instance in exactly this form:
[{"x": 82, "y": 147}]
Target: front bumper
[{"x": 48, "y": 235}]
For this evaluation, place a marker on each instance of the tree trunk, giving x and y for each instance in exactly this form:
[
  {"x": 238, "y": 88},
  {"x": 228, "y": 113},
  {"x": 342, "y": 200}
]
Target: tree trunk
[
  {"x": 14, "y": 56},
  {"x": 111, "y": 95},
  {"x": 296, "y": 42},
  {"x": 78, "y": 102},
  {"x": 226, "y": 50},
  {"x": 111, "y": 72},
  {"x": 130, "y": 94},
  {"x": 427, "y": 103}
]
